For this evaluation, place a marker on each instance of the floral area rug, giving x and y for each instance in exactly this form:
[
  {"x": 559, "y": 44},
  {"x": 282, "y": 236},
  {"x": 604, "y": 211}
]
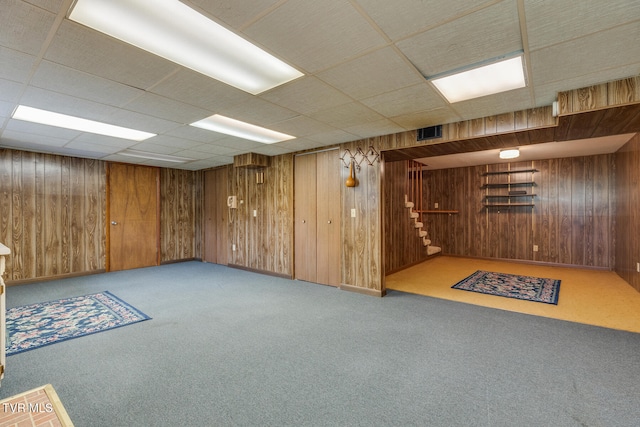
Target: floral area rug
[
  {"x": 36, "y": 325},
  {"x": 512, "y": 286}
]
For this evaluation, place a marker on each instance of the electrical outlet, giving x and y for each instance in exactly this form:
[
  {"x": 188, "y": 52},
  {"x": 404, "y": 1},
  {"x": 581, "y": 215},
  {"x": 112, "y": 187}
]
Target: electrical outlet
[
  {"x": 255, "y": 213},
  {"x": 435, "y": 205},
  {"x": 638, "y": 267},
  {"x": 535, "y": 248},
  {"x": 353, "y": 213},
  {"x": 233, "y": 247}
]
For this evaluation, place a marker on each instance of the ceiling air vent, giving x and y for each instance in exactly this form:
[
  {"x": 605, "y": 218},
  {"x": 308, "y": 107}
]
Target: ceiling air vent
[{"x": 431, "y": 132}]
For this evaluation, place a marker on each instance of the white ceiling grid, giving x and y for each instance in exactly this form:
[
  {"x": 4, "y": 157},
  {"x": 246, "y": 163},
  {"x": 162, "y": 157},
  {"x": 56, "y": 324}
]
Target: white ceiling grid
[{"x": 365, "y": 65}]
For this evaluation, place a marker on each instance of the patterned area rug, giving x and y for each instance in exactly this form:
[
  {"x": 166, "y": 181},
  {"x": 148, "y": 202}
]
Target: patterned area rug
[
  {"x": 512, "y": 286},
  {"x": 36, "y": 325}
]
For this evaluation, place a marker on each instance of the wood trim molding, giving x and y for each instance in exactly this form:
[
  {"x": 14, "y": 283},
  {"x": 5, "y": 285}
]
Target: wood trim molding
[
  {"x": 255, "y": 270},
  {"x": 597, "y": 97},
  {"x": 364, "y": 291}
]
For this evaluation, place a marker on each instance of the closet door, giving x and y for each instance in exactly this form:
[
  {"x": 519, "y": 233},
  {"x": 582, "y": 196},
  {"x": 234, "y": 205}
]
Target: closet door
[
  {"x": 317, "y": 217},
  {"x": 328, "y": 218},
  {"x": 216, "y": 216},
  {"x": 305, "y": 217}
]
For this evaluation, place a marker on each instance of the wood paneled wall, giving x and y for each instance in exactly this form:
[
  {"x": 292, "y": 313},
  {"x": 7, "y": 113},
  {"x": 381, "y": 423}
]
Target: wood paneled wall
[
  {"x": 180, "y": 215},
  {"x": 628, "y": 212},
  {"x": 52, "y": 214},
  {"x": 264, "y": 242},
  {"x": 402, "y": 246},
  {"x": 572, "y": 221},
  {"x": 362, "y": 236}
]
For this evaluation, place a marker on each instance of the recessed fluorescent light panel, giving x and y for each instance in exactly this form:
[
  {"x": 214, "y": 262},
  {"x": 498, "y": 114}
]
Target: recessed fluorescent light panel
[
  {"x": 482, "y": 81},
  {"x": 174, "y": 31},
  {"x": 222, "y": 124},
  {"x": 154, "y": 156},
  {"x": 50, "y": 118}
]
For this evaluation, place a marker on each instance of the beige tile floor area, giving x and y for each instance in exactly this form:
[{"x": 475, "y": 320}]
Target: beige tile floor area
[{"x": 588, "y": 296}]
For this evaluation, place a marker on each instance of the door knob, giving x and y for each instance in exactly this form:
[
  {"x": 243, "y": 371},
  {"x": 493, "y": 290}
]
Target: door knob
[
  {"x": 114, "y": 223},
  {"x": 303, "y": 221},
  {"x": 329, "y": 222}
]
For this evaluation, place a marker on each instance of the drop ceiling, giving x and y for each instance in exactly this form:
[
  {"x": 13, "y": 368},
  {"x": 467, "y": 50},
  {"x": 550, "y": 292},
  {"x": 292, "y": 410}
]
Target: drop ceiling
[{"x": 365, "y": 64}]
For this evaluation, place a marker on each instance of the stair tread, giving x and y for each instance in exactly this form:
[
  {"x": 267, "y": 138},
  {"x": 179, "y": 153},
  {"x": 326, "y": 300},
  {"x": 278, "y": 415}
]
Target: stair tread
[{"x": 433, "y": 250}]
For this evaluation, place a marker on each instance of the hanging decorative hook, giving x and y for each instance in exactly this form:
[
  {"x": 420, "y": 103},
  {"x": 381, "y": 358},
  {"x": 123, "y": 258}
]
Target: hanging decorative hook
[{"x": 350, "y": 159}]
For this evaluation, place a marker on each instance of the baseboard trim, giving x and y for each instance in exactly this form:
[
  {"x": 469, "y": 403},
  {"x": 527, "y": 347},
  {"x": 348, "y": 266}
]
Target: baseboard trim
[
  {"x": 51, "y": 278},
  {"x": 176, "y": 261},
  {"x": 532, "y": 262},
  {"x": 364, "y": 291},
  {"x": 265, "y": 272}
]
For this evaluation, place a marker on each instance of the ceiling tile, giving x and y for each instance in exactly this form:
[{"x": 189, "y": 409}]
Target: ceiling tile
[
  {"x": 16, "y": 66},
  {"x": 578, "y": 57},
  {"x": 400, "y": 18},
  {"x": 43, "y": 130},
  {"x": 552, "y": 22},
  {"x": 312, "y": 35},
  {"x": 166, "y": 108},
  {"x": 66, "y": 104},
  {"x": 10, "y": 91},
  {"x": 24, "y": 27},
  {"x": 201, "y": 91},
  {"x": 488, "y": 33},
  {"x": 406, "y": 100},
  {"x": 92, "y": 147},
  {"x": 232, "y": 12},
  {"x": 306, "y": 95},
  {"x": 95, "y": 53},
  {"x": 381, "y": 71},
  {"x": 259, "y": 112},
  {"x": 302, "y": 126},
  {"x": 347, "y": 115},
  {"x": 371, "y": 129},
  {"x": 32, "y": 140},
  {"x": 58, "y": 78}
]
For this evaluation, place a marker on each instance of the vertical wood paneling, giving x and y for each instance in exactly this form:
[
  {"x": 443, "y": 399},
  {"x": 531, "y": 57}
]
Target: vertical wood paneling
[
  {"x": 627, "y": 182},
  {"x": 260, "y": 243},
  {"x": 571, "y": 223},
  {"x": 178, "y": 213},
  {"x": 49, "y": 212}
]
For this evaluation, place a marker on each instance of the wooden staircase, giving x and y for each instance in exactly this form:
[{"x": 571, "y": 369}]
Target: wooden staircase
[{"x": 413, "y": 191}]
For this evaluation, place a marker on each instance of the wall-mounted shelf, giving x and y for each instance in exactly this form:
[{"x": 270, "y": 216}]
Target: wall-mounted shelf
[
  {"x": 516, "y": 191},
  {"x": 507, "y": 205},
  {"x": 509, "y": 184},
  {"x": 439, "y": 211},
  {"x": 510, "y": 172},
  {"x": 508, "y": 196}
]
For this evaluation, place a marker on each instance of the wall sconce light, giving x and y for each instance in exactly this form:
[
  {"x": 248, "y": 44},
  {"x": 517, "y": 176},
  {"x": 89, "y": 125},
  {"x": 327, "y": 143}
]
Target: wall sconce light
[{"x": 509, "y": 153}]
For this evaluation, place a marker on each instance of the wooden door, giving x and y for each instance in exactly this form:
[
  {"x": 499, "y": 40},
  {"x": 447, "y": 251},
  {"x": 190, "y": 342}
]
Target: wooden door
[
  {"x": 216, "y": 229},
  {"x": 305, "y": 228},
  {"x": 133, "y": 220},
  {"x": 328, "y": 217}
]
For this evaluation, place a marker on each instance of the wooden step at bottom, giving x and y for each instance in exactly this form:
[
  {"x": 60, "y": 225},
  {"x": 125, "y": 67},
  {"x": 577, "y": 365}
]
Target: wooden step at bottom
[{"x": 431, "y": 250}]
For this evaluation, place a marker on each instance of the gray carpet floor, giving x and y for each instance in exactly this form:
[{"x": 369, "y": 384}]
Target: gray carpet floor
[{"x": 228, "y": 347}]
